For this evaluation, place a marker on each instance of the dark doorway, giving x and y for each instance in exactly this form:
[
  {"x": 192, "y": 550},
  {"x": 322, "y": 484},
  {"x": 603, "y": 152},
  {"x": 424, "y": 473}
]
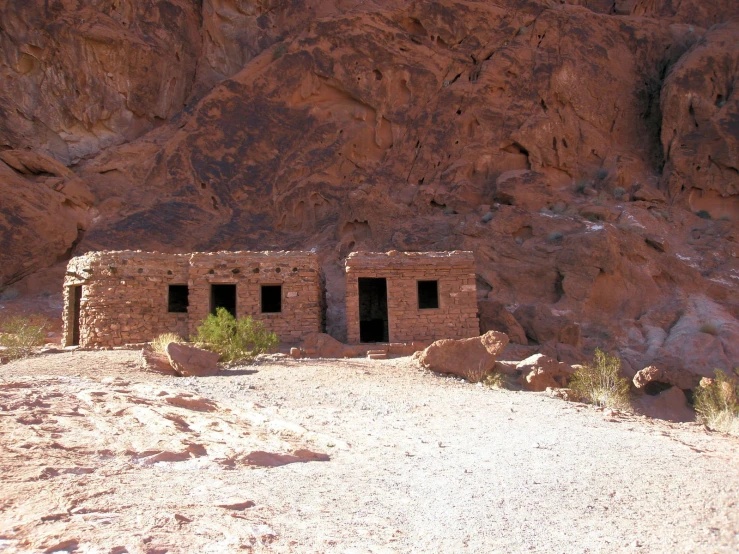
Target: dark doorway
[
  {"x": 223, "y": 296},
  {"x": 373, "y": 310},
  {"x": 75, "y": 301},
  {"x": 271, "y": 299}
]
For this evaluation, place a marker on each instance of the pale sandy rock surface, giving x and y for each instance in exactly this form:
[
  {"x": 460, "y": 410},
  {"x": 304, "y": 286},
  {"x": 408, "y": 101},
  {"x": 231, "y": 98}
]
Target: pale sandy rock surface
[{"x": 418, "y": 463}]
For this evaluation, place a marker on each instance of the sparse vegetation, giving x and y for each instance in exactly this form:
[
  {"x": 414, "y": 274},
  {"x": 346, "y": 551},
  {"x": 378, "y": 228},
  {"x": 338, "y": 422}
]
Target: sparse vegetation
[
  {"x": 703, "y": 214},
  {"x": 716, "y": 402},
  {"x": 618, "y": 192},
  {"x": 581, "y": 186},
  {"x": 20, "y": 335},
  {"x": 555, "y": 237},
  {"x": 601, "y": 174},
  {"x": 160, "y": 343},
  {"x": 497, "y": 380},
  {"x": 709, "y": 328},
  {"x": 9, "y": 294},
  {"x": 476, "y": 374},
  {"x": 599, "y": 382},
  {"x": 236, "y": 340}
]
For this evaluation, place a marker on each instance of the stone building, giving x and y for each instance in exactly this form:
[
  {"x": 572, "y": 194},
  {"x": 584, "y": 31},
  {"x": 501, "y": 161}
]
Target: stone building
[
  {"x": 114, "y": 298},
  {"x": 410, "y": 296}
]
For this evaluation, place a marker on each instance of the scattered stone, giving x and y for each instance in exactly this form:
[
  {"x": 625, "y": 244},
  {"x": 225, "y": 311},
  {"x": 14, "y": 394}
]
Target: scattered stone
[
  {"x": 238, "y": 505},
  {"x": 539, "y": 372},
  {"x": 295, "y": 353}
]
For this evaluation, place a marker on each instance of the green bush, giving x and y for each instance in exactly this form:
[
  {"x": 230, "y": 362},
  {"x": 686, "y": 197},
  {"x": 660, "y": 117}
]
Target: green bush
[
  {"x": 236, "y": 340},
  {"x": 160, "y": 343},
  {"x": 599, "y": 382},
  {"x": 716, "y": 402},
  {"x": 20, "y": 335},
  {"x": 703, "y": 214}
]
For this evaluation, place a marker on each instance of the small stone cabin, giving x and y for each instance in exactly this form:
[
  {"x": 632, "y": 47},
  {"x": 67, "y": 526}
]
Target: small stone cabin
[
  {"x": 119, "y": 297},
  {"x": 410, "y": 296}
]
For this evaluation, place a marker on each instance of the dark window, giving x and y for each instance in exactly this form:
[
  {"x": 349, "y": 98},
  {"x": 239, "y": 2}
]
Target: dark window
[
  {"x": 428, "y": 295},
  {"x": 271, "y": 299},
  {"x": 178, "y": 299},
  {"x": 223, "y": 296}
]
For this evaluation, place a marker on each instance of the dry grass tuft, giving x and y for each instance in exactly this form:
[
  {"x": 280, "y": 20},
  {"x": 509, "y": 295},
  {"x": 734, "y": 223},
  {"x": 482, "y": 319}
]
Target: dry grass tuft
[
  {"x": 716, "y": 402},
  {"x": 160, "y": 343},
  {"x": 599, "y": 382}
]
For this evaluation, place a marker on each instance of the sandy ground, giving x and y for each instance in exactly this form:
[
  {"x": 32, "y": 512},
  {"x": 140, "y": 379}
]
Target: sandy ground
[{"x": 99, "y": 456}]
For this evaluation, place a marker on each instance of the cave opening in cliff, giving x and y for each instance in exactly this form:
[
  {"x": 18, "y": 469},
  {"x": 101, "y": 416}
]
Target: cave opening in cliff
[
  {"x": 75, "y": 302},
  {"x": 223, "y": 296},
  {"x": 373, "y": 318}
]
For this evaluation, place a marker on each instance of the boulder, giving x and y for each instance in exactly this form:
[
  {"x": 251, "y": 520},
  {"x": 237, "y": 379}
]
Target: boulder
[
  {"x": 673, "y": 377},
  {"x": 494, "y": 316},
  {"x": 321, "y": 345},
  {"x": 670, "y": 404},
  {"x": 538, "y": 372},
  {"x": 190, "y": 361},
  {"x": 154, "y": 361},
  {"x": 467, "y": 358}
]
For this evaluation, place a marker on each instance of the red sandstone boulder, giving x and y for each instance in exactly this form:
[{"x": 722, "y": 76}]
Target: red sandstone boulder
[
  {"x": 495, "y": 317},
  {"x": 539, "y": 372},
  {"x": 669, "y": 376},
  {"x": 154, "y": 361},
  {"x": 473, "y": 357},
  {"x": 190, "y": 361}
]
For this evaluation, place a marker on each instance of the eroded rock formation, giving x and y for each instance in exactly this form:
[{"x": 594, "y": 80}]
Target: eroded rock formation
[{"x": 586, "y": 151}]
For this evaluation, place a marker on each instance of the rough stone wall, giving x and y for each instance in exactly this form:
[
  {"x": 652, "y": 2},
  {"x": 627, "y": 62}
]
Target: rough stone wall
[
  {"x": 297, "y": 272},
  {"x": 125, "y": 293},
  {"x": 456, "y": 317}
]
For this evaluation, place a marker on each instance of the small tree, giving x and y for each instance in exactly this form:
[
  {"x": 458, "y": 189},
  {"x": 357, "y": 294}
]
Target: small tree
[
  {"x": 599, "y": 382},
  {"x": 236, "y": 340},
  {"x": 20, "y": 335},
  {"x": 716, "y": 402}
]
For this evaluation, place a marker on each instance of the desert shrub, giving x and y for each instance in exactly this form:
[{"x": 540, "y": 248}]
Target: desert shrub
[
  {"x": 618, "y": 192},
  {"x": 556, "y": 236},
  {"x": 601, "y": 174},
  {"x": 160, "y": 343},
  {"x": 475, "y": 374},
  {"x": 581, "y": 186},
  {"x": 709, "y": 328},
  {"x": 716, "y": 402},
  {"x": 236, "y": 340},
  {"x": 703, "y": 214},
  {"x": 20, "y": 335},
  {"x": 599, "y": 382}
]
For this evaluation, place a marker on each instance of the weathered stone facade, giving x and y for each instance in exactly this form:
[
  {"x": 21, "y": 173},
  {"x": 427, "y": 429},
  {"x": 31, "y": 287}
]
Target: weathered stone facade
[
  {"x": 453, "y": 317},
  {"x": 125, "y": 295}
]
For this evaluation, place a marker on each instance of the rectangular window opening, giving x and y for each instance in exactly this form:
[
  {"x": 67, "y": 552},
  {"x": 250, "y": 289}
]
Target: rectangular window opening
[
  {"x": 271, "y": 299},
  {"x": 178, "y": 299},
  {"x": 223, "y": 296},
  {"x": 428, "y": 295}
]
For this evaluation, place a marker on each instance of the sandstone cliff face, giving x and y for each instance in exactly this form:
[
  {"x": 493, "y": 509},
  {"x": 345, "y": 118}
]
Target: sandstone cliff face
[{"x": 569, "y": 146}]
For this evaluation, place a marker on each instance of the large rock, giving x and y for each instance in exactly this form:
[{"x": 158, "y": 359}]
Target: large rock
[
  {"x": 495, "y": 317},
  {"x": 539, "y": 372},
  {"x": 467, "y": 358},
  {"x": 190, "y": 361},
  {"x": 154, "y": 361}
]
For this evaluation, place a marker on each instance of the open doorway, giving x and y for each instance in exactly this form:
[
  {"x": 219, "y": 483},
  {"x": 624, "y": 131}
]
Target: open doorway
[
  {"x": 75, "y": 301},
  {"x": 373, "y": 310},
  {"x": 223, "y": 296}
]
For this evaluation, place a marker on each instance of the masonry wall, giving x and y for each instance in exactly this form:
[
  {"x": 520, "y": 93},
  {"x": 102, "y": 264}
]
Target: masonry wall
[
  {"x": 125, "y": 293},
  {"x": 456, "y": 317}
]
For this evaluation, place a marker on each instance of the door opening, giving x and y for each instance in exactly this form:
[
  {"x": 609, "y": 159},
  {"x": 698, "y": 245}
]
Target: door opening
[
  {"x": 75, "y": 293},
  {"x": 223, "y": 296},
  {"x": 373, "y": 317}
]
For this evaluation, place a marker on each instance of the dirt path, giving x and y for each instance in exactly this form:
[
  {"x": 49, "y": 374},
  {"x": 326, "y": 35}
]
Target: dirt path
[{"x": 418, "y": 463}]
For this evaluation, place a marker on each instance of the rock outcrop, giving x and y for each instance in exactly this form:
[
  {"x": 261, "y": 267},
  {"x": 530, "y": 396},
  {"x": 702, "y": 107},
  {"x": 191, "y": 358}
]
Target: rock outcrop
[{"x": 585, "y": 150}]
